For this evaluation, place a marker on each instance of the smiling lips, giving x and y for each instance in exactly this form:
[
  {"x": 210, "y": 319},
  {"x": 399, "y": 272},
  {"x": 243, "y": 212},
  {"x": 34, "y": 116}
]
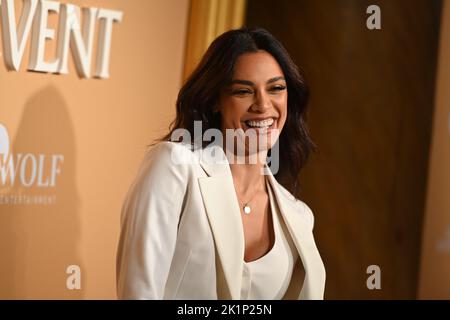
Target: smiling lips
[{"x": 260, "y": 124}]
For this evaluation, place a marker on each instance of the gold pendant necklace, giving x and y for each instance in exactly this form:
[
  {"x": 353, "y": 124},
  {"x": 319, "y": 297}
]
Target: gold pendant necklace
[{"x": 246, "y": 207}]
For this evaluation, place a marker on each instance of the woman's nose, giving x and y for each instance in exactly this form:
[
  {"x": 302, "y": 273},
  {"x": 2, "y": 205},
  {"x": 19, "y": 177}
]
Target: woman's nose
[{"x": 261, "y": 103}]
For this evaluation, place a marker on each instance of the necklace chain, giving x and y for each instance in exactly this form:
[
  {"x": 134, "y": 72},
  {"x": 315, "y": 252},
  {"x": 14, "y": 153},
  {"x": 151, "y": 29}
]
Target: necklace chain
[{"x": 246, "y": 205}]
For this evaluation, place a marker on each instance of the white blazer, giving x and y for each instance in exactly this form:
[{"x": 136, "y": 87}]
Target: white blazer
[{"x": 182, "y": 235}]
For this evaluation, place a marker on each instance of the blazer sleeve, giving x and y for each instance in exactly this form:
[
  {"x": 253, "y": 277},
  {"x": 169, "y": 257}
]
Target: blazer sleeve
[{"x": 149, "y": 224}]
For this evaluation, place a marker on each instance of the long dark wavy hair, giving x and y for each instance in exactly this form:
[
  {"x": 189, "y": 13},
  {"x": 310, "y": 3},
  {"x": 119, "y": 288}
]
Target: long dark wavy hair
[{"x": 200, "y": 94}]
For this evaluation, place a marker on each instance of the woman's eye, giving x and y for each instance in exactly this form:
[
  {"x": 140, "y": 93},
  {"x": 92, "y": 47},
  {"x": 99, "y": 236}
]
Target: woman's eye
[
  {"x": 278, "y": 88},
  {"x": 241, "y": 92}
]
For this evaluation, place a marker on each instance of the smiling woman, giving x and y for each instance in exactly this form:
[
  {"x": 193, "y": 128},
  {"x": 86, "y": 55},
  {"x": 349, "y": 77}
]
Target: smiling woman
[
  {"x": 258, "y": 82},
  {"x": 228, "y": 229}
]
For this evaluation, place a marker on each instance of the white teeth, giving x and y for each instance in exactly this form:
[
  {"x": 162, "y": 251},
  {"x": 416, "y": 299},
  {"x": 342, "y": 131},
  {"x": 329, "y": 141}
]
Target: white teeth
[{"x": 260, "y": 124}]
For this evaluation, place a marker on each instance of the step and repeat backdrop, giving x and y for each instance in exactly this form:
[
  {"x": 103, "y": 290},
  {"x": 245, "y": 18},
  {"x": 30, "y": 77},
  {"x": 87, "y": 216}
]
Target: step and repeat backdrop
[{"x": 85, "y": 86}]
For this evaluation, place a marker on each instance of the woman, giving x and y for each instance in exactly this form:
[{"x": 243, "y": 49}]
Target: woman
[{"x": 209, "y": 220}]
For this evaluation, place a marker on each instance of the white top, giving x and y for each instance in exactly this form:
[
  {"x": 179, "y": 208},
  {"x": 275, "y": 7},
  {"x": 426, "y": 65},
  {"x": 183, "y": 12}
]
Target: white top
[{"x": 268, "y": 277}]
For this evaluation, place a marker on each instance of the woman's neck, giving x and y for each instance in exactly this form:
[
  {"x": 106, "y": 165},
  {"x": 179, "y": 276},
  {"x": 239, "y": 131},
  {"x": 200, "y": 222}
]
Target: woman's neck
[
  {"x": 247, "y": 176},
  {"x": 247, "y": 168}
]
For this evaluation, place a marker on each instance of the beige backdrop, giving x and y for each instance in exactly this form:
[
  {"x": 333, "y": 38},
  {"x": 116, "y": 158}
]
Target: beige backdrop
[
  {"x": 102, "y": 128},
  {"x": 435, "y": 265}
]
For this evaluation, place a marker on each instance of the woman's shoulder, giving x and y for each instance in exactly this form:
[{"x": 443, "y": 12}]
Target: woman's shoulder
[
  {"x": 163, "y": 147},
  {"x": 171, "y": 153},
  {"x": 165, "y": 160}
]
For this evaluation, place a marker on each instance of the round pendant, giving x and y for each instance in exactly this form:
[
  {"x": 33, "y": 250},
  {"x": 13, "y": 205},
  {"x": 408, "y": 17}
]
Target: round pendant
[{"x": 247, "y": 210}]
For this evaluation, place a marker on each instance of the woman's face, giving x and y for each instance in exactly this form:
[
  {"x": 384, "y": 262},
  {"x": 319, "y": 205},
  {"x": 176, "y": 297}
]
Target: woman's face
[{"x": 255, "y": 99}]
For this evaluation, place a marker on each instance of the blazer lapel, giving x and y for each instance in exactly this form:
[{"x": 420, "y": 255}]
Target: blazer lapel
[
  {"x": 302, "y": 236},
  {"x": 224, "y": 216}
]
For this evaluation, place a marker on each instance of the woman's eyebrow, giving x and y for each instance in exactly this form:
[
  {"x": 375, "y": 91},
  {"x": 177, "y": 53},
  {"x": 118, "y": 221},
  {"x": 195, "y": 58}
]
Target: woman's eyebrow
[
  {"x": 250, "y": 83},
  {"x": 244, "y": 82},
  {"x": 275, "y": 79}
]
